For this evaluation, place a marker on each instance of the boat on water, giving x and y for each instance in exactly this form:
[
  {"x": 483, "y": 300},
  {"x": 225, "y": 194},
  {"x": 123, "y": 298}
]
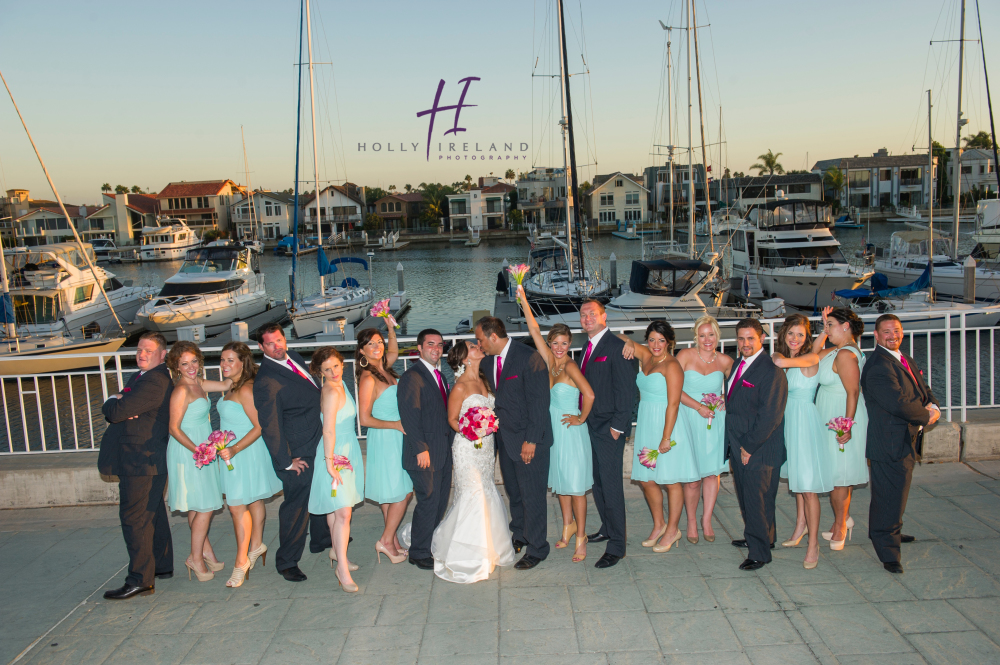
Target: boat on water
[
  {"x": 987, "y": 233},
  {"x": 908, "y": 254},
  {"x": 350, "y": 301},
  {"x": 215, "y": 286},
  {"x": 548, "y": 286},
  {"x": 726, "y": 221},
  {"x": 53, "y": 291},
  {"x": 169, "y": 240},
  {"x": 786, "y": 250},
  {"x": 42, "y": 354},
  {"x": 103, "y": 249}
]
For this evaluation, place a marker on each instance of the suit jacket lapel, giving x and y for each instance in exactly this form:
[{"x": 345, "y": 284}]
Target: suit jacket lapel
[{"x": 596, "y": 351}]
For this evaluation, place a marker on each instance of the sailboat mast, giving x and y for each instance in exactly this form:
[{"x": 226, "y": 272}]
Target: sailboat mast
[
  {"x": 957, "y": 184},
  {"x": 253, "y": 204},
  {"x": 571, "y": 177},
  {"x": 567, "y": 160},
  {"x": 930, "y": 201},
  {"x": 701, "y": 120},
  {"x": 298, "y": 135},
  {"x": 670, "y": 140},
  {"x": 989, "y": 100},
  {"x": 312, "y": 111},
  {"x": 691, "y": 236},
  {"x": 10, "y": 327}
]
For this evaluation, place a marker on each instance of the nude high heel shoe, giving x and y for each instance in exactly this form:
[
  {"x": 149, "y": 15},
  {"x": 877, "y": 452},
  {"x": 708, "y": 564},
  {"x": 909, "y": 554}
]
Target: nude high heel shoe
[
  {"x": 261, "y": 553},
  {"x": 333, "y": 559},
  {"x": 828, "y": 535},
  {"x": 202, "y": 577},
  {"x": 350, "y": 587},
  {"x": 809, "y": 565},
  {"x": 652, "y": 541},
  {"x": 837, "y": 545},
  {"x": 214, "y": 566},
  {"x": 659, "y": 549},
  {"x": 577, "y": 558},
  {"x": 568, "y": 531},
  {"x": 239, "y": 575},
  {"x": 795, "y": 541},
  {"x": 381, "y": 549}
]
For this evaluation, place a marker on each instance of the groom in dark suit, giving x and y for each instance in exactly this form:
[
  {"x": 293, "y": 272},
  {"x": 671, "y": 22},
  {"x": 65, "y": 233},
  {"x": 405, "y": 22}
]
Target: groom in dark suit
[
  {"x": 519, "y": 379},
  {"x": 422, "y": 399},
  {"x": 287, "y": 401},
  {"x": 900, "y": 406},
  {"x": 755, "y": 436},
  {"x": 613, "y": 380},
  {"x": 134, "y": 448}
]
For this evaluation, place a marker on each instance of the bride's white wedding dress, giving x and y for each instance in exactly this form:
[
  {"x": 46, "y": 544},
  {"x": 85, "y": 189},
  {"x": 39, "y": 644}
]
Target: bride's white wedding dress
[{"x": 473, "y": 538}]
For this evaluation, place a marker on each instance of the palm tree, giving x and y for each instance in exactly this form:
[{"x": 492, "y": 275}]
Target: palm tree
[
  {"x": 121, "y": 189},
  {"x": 136, "y": 189},
  {"x": 106, "y": 187},
  {"x": 408, "y": 188},
  {"x": 769, "y": 162},
  {"x": 392, "y": 188},
  {"x": 510, "y": 175},
  {"x": 833, "y": 178},
  {"x": 468, "y": 182}
]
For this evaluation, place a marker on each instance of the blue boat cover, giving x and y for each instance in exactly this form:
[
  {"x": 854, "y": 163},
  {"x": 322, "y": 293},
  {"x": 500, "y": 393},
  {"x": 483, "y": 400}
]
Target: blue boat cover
[
  {"x": 879, "y": 287},
  {"x": 329, "y": 267}
]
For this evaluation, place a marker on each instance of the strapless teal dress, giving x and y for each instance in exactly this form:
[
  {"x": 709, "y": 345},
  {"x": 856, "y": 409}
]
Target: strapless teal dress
[
  {"x": 849, "y": 467},
  {"x": 188, "y": 487},
  {"x": 709, "y": 444},
  {"x": 679, "y": 465},
  {"x": 571, "y": 464},
  {"x": 351, "y": 492},
  {"x": 805, "y": 436},
  {"x": 253, "y": 477},
  {"x": 385, "y": 479}
]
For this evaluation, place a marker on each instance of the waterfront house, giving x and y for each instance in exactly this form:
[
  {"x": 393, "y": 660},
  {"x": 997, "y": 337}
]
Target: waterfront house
[
  {"x": 541, "y": 196},
  {"x": 882, "y": 180},
  {"x": 617, "y": 200},
  {"x": 121, "y": 218},
  {"x": 202, "y": 204},
  {"x": 483, "y": 207},
  {"x": 657, "y": 181},
  {"x": 978, "y": 173},
  {"x": 17, "y": 203},
  {"x": 47, "y": 225},
  {"x": 400, "y": 211},
  {"x": 272, "y": 213},
  {"x": 340, "y": 210}
]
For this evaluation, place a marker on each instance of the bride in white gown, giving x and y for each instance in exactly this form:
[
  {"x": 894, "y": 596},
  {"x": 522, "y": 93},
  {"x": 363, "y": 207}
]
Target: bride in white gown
[{"x": 473, "y": 538}]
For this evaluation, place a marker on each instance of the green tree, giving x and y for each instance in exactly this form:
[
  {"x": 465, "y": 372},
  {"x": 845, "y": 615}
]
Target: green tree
[
  {"x": 106, "y": 187},
  {"x": 121, "y": 189},
  {"x": 833, "y": 179},
  {"x": 408, "y": 188},
  {"x": 373, "y": 194},
  {"x": 392, "y": 188},
  {"x": 510, "y": 175},
  {"x": 372, "y": 222},
  {"x": 516, "y": 218},
  {"x": 584, "y": 202},
  {"x": 468, "y": 182},
  {"x": 136, "y": 189},
  {"x": 769, "y": 163},
  {"x": 943, "y": 157},
  {"x": 980, "y": 140}
]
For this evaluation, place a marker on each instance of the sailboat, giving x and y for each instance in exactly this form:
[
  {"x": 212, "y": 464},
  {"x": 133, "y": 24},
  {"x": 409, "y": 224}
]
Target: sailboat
[{"x": 344, "y": 303}]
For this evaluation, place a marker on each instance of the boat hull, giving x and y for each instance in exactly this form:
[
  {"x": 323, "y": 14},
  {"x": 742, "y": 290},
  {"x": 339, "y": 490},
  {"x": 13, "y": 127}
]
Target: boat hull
[
  {"x": 216, "y": 317},
  {"x": 156, "y": 253},
  {"x": 54, "y": 359},
  {"x": 307, "y": 323},
  {"x": 802, "y": 288}
]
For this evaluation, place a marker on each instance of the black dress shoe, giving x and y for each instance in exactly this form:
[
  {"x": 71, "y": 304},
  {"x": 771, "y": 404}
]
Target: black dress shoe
[
  {"x": 752, "y": 564},
  {"x": 597, "y": 538},
  {"x": 518, "y": 545},
  {"x": 293, "y": 574},
  {"x": 608, "y": 560},
  {"x": 426, "y": 563},
  {"x": 893, "y": 567},
  {"x": 128, "y": 591},
  {"x": 903, "y": 538},
  {"x": 165, "y": 576},
  {"x": 527, "y": 562},
  {"x": 739, "y": 543}
]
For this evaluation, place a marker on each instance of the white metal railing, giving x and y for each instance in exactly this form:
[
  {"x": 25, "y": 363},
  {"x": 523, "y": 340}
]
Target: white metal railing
[{"x": 61, "y": 412}]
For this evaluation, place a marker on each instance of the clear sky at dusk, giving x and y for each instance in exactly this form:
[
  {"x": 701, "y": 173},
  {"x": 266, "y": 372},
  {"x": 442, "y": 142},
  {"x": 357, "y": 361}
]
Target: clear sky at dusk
[{"x": 146, "y": 93}]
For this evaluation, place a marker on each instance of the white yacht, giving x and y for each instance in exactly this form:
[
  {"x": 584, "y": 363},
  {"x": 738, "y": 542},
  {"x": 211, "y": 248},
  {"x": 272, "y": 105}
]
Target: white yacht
[
  {"x": 785, "y": 250},
  {"x": 907, "y": 256},
  {"x": 987, "y": 233},
  {"x": 54, "y": 292},
  {"x": 214, "y": 287},
  {"x": 169, "y": 240},
  {"x": 350, "y": 301},
  {"x": 548, "y": 287}
]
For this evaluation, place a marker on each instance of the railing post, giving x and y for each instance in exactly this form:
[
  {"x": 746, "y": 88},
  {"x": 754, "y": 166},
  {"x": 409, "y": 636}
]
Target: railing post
[
  {"x": 961, "y": 320},
  {"x": 947, "y": 364}
]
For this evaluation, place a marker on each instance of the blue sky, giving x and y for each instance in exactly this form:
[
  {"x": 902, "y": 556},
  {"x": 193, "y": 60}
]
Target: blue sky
[{"x": 144, "y": 93}]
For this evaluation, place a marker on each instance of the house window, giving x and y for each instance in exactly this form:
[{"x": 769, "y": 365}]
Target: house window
[
  {"x": 399, "y": 206},
  {"x": 631, "y": 198},
  {"x": 618, "y": 183},
  {"x": 383, "y": 208},
  {"x": 458, "y": 207},
  {"x": 277, "y": 209},
  {"x": 523, "y": 193},
  {"x": 633, "y": 215},
  {"x": 607, "y": 217},
  {"x": 267, "y": 208},
  {"x": 607, "y": 199},
  {"x": 885, "y": 175},
  {"x": 967, "y": 169},
  {"x": 885, "y": 198},
  {"x": 562, "y": 192},
  {"x": 982, "y": 168},
  {"x": 860, "y": 179},
  {"x": 799, "y": 188}
]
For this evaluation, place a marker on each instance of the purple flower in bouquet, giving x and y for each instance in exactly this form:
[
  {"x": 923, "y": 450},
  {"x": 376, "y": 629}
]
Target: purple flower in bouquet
[
  {"x": 841, "y": 426},
  {"x": 204, "y": 455},
  {"x": 713, "y": 402},
  {"x": 648, "y": 456},
  {"x": 519, "y": 272},
  {"x": 340, "y": 463},
  {"x": 381, "y": 309},
  {"x": 219, "y": 439}
]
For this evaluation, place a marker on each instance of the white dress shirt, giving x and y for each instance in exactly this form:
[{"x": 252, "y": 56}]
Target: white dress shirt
[
  {"x": 746, "y": 365},
  {"x": 597, "y": 338},
  {"x": 503, "y": 361},
  {"x": 288, "y": 359},
  {"x": 431, "y": 368}
]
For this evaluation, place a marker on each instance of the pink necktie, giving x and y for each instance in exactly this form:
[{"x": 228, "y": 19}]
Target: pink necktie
[
  {"x": 295, "y": 369},
  {"x": 586, "y": 357},
  {"x": 907, "y": 366},
  {"x": 739, "y": 373},
  {"x": 499, "y": 370},
  {"x": 444, "y": 393}
]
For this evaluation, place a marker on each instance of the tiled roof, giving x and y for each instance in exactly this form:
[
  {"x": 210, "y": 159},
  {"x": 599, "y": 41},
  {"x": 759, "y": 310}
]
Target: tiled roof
[
  {"x": 143, "y": 204},
  {"x": 197, "y": 188},
  {"x": 350, "y": 190},
  {"x": 73, "y": 210},
  {"x": 499, "y": 188},
  {"x": 601, "y": 179},
  {"x": 412, "y": 197}
]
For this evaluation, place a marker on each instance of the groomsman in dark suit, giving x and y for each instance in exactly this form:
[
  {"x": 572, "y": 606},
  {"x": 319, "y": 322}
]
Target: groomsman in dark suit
[
  {"x": 422, "y": 399},
  {"x": 287, "y": 399},
  {"x": 520, "y": 381},
  {"x": 900, "y": 406},
  {"x": 613, "y": 380},
  {"x": 755, "y": 437},
  {"x": 134, "y": 448}
]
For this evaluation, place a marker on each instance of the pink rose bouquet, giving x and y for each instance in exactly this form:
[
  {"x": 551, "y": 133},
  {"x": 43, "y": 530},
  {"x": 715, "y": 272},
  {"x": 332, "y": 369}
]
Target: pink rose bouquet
[
  {"x": 204, "y": 455},
  {"x": 381, "y": 309},
  {"x": 713, "y": 402},
  {"x": 219, "y": 439},
  {"x": 340, "y": 463},
  {"x": 841, "y": 426},
  {"x": 478, "y": 422}
]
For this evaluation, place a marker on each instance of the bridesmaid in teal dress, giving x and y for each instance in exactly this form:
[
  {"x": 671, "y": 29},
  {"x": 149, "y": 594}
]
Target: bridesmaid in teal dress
[
  {"x": 571, "y": 465},
  {"x": 198, "y": 492},
  {"x": 840, "y": 395},
  {"x": 386, "y": 482},
  {"x": 339, "y": 438},
  {"x": 253, "y": 478},
  {"x": 806, "y": 469},
  {"x": 661, "y": 382},
  {"x": 705, "y": 371}
]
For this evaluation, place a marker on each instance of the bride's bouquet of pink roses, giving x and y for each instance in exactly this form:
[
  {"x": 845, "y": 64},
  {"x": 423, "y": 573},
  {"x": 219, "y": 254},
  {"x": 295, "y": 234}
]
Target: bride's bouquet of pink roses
[
  {"x": 340, "y": 463},
  {"x": 713, "y": 402},
  {"x": 478, "y": 422},
  {"x": 841, "y": 426},
  {"x": 381, "y": 309}
]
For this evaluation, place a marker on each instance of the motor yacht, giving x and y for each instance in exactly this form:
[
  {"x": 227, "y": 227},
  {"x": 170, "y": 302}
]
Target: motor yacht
[
  {"x": 53, "y": 291},
  {"x": 169, "y": 240},
  {"x": 349, "y": 301},
  {"x": 907, "y": 256},
  {"x": 785, "y": 250},
  {"x": 55, "y": 352},
  {"x": 548, "y": 286},
  {"x": 215, "y": 286}
]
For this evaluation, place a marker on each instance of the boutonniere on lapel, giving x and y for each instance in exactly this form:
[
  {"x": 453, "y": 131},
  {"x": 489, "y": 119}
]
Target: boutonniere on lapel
[
  {"x": 747, "y": 384},
  {"x": 128, "y": 390},
  {"x": 601, "y": 359}
]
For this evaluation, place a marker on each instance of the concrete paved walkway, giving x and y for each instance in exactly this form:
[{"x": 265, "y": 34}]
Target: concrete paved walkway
[{"x": 690, "y": 605}]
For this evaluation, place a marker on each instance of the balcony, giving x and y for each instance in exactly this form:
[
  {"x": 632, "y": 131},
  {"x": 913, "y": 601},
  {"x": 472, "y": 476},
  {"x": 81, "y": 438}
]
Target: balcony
[{"x": 910, "y": 182}]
